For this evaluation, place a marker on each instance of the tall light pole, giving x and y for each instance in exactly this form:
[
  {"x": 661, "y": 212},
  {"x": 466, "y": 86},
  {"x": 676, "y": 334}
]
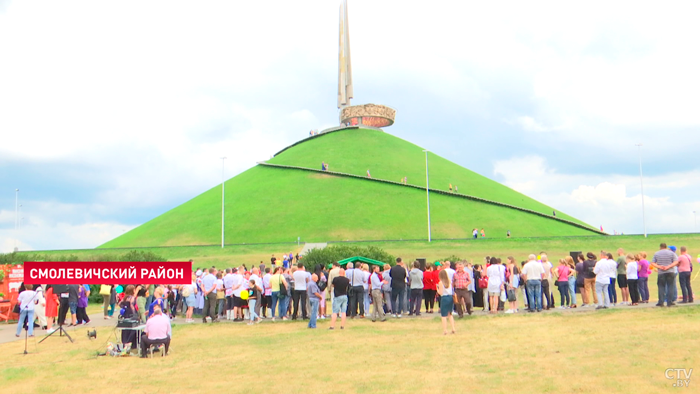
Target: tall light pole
[
  {"x": 641, "y": 181},
  {"x": 427, "y": 189},
  {"x": 19, "y": 218},
  {"x": 223, "y": 178},
  {"x": 16, "y": 216}
]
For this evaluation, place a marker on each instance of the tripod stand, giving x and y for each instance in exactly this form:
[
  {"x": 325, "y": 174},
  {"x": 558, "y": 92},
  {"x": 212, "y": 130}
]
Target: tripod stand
[{"x": 61, "y": 332}]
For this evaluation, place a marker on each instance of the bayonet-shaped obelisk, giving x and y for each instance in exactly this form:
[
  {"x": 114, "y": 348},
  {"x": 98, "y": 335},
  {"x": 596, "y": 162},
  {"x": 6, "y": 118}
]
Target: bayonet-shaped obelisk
[{"x": 344, "y": 67}]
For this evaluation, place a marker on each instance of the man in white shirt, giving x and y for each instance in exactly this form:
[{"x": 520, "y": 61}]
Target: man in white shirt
[
  {"x": 237, "y": 287},
  {"x": 548, "y": 297},
  {"x": 534, "y": 274},
  {"x": 301, "y": 277},
  {"x": 228, "y": 290},
  {"x": 605, "y": 269},
  {"x": 267, "y": 292}
]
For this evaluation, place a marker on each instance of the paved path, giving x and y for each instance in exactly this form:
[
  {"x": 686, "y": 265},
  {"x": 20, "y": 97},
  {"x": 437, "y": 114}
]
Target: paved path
[
  {"x": 7, "y": 331},
  {"x": 309, "y": 246}
]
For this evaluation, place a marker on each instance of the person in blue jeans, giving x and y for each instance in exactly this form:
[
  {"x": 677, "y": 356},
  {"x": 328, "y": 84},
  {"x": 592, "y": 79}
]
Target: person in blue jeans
[
  {"x": 27, "y": 301},
  {"x": 534, "y": 273},
  {"x": 314, "y": 297}
]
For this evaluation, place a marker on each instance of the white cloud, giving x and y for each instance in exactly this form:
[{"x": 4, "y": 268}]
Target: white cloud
[{"x": 613, "y": 201}]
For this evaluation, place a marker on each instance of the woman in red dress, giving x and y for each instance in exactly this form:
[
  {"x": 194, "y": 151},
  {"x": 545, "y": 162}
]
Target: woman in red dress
[{"x": 51, "y": 307}]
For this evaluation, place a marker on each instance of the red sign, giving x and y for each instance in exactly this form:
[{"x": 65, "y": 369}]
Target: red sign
[{"x": 97, "y": 273}]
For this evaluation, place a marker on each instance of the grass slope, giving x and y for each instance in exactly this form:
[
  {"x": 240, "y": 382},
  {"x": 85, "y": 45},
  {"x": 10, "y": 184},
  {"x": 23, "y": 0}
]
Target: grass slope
[
  {"x": 354, "y": 151},
  {"x": 273, "y": 205}
]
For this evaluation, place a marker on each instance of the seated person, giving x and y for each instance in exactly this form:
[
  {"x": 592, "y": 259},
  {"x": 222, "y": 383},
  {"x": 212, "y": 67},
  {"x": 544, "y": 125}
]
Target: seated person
[{"x": 158, "y": 331}]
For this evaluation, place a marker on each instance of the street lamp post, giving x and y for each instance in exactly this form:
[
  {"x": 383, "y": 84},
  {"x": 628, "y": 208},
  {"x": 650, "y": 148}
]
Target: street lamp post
[
  {"x": 223, "y": 161},
  {"x": 16, "y": 216},
  {"x": 641, "y": 181},
  {"x": 427, "y": 190}
]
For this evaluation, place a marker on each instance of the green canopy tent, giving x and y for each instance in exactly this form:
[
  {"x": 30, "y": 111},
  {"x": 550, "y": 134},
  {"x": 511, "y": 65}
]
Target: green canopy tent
[{"x": 361, "y": 259}]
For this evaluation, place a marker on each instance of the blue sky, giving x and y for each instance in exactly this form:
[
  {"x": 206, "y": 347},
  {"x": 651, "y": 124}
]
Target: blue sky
[{"x": 111, "y": 114}]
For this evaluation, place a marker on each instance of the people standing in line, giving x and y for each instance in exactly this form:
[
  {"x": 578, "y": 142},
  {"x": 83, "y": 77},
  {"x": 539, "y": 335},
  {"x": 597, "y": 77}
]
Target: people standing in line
[
  {"x": 446, "y": 293},
  {"x": 643, "y": 273},
  {"x": 589, "y": 278},
  {"x": 331, "y": 275},
  {"x": 376, "y": 283},
  {"x": 254, "y": 292},
  {"x": 512, "y": 284},
  {"x": 463, "y": 298},
  {"x": 622, "y": 277},
  {"x": 386, "y": 288},
  {"x": 471, "y": 288},
  {"x": 605, "y": 270},
  {"x": 340, "y": 285},
  {"x": 398, "y": 287},
  {"x": 209, "y": 284},
  {"x": 666, "y": 262},
  {"x": 429, "y": 288},
  {"x": 533, "y": 274},
  {"x": 632, "y": 277},
  {"x": 415, "y": 282},
  {"x": 684, "y": 268},
  {"x": 563, "y": 272}
]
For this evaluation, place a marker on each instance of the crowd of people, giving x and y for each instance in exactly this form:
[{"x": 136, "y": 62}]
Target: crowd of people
[{"x": 285, "y": 290}]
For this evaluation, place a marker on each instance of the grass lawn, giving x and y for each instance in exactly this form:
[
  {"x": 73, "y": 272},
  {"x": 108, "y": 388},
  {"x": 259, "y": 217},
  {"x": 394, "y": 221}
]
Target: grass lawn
[{"x": 615, "y": 351}]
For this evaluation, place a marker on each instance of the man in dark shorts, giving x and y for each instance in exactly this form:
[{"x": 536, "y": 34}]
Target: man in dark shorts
[{"x": 340, "y": 299}]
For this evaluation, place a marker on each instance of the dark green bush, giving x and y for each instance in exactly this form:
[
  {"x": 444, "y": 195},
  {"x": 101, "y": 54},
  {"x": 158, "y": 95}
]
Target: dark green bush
[{"x": 341, "y": 251}]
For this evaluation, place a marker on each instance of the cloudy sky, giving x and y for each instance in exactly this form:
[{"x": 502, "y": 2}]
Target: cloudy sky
[{"x": 112, "y": 113}]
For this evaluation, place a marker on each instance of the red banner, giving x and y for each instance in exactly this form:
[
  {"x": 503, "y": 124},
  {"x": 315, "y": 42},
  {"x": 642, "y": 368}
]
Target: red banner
[{"x": 99, "y": 273}]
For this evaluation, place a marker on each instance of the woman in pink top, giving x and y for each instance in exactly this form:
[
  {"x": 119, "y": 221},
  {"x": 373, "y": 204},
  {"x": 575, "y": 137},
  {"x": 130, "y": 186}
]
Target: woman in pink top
[
  {"x": 643, "y": 273},
  {"x": 684, "y": 275},
  {"x": 563, "y": 283}
]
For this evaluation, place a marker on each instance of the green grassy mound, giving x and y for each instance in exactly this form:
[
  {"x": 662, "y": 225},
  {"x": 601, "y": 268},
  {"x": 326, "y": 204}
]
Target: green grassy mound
[{"x": 267, "y": 204}]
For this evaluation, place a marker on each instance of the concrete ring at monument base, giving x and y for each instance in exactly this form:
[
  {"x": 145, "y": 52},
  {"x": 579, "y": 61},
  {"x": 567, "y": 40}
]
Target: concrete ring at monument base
[{"x": 368, "y": 114}]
